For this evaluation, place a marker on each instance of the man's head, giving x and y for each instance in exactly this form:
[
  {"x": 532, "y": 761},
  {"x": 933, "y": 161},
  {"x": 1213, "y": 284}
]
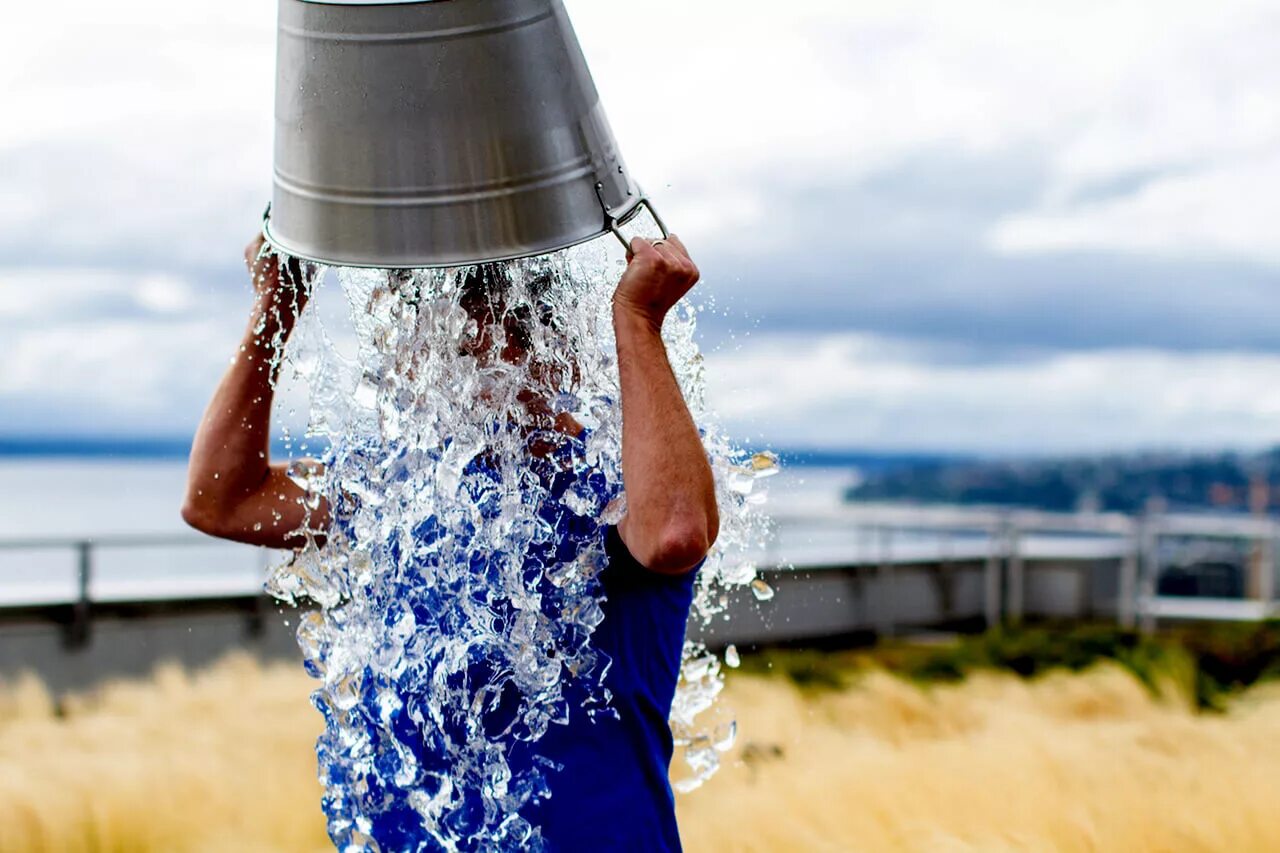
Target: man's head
[{"x": 487, "y": 292}]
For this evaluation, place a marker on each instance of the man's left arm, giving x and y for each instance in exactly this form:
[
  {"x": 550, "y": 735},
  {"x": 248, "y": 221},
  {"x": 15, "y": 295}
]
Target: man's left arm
[{"x": 672, "y": 519}]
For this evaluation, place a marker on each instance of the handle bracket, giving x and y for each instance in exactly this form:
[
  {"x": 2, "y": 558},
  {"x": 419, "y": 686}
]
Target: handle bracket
[{"x": 614, "y": 221}]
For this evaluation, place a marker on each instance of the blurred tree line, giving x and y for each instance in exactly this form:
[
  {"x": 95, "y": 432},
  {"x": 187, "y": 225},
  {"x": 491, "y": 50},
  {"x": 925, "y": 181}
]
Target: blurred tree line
[{"x": 1117, "y": 483}]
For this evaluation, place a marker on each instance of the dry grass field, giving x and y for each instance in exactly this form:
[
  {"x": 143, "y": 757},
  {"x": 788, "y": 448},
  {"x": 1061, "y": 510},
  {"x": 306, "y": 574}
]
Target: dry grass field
[{"x": 221, "y": 760}]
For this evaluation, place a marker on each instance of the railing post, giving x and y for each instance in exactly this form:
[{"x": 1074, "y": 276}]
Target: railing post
[
  {"x": 1267, "y": 568},
  {"x": 1150, "y": 573},
  {"x": 1017, "y": 576},
  {"x": 81, "y": 610},
  {"x": 1126, "y": 604},
  {"x": 944, "y": 578},
  {"x": 992, "y": 606},
  {"x": 885, "y": 620}
]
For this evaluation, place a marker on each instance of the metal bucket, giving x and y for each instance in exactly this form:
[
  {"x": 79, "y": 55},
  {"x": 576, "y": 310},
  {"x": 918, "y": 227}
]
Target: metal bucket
[{"x": 418, "y": 133}]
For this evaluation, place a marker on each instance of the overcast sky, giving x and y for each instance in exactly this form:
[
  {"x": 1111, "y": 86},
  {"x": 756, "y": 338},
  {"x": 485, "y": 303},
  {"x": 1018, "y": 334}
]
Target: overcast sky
[{"x": 979, "y": 226}]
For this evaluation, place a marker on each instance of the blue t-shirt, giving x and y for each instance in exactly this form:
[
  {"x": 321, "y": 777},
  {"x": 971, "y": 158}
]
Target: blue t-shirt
[
  {"x": 605, "y": 770},
  {"x": 613, "y": 792}
]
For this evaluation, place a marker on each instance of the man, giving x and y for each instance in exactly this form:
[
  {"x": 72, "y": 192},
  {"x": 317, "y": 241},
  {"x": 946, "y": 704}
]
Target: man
[{"x": 611, "y": 791}]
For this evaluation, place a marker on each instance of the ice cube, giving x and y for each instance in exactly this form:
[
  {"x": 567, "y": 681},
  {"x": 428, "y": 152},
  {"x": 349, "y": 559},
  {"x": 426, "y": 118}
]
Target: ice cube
[{"x": 761, "y": 590}]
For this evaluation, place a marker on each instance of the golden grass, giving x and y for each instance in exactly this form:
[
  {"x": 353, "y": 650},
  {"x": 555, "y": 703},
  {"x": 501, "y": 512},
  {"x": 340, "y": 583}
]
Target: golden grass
[
  {"x": 221, "y": 760},
  {"x": 217, "y": 761}
]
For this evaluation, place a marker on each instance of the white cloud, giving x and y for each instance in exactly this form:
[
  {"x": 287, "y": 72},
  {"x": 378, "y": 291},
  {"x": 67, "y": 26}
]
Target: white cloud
[
  {"x": 1227, "y": 210},
  {"x": 89, "y": 350},
  {"x": 162, "y": 112},
  {"x": 165, "y": 294},
  {"x": 138, "y": 139},
  {"x": 866, "y": 391},
  {"x": 111, "y": 375},
  {"x": 138, "y": 129},
  {"x": 95, "y": 351},
  {"x": 150, "y": 367},
  {"x": 744, "y": 97},
  {"x": 46, "y": 297}
]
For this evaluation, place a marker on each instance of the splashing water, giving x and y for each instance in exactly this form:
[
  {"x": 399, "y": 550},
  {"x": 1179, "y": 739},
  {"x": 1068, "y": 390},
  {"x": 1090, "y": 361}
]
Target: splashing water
[{"x": 456, "y": 588}]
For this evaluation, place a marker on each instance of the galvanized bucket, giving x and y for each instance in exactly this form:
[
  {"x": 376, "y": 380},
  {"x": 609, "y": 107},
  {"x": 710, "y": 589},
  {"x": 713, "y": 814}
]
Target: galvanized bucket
[{"x": 421, "y": 133}]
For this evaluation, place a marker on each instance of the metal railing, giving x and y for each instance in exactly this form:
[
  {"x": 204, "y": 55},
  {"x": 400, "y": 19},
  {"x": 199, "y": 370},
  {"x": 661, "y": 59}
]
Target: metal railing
[
  {"x": 1005, "y": 534},
  {"x": 1002, "y": 537},
  {"x": 79, "y": 609}
]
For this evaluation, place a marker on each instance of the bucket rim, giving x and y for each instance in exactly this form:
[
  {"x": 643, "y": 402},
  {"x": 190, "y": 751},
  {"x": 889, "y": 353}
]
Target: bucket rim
[
  {"x": 369, "y": 2},
  {"x": 611, "y": 226}
]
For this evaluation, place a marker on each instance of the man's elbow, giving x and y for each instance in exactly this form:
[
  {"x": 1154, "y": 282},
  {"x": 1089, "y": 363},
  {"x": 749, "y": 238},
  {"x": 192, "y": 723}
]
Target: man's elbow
[
  {"x": 202, "y": 516},
  {"x": 681, "y": 548}
]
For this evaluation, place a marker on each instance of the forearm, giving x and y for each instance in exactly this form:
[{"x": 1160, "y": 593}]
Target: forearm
[
  {"x": 233, "y": 489},
  {"x": 232, "y": 445},
  {"x": 671, "y": 518}
]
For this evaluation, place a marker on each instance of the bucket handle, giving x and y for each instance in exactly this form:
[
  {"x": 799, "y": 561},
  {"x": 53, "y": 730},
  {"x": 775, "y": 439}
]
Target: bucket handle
[{"x": 615, "y": 222}]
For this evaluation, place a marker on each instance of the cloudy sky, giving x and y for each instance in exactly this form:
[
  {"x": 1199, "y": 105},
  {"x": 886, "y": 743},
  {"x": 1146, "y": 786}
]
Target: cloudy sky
[{"x": 978, "y": 226}]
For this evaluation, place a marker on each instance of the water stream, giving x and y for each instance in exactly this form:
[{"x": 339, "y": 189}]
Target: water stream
[{"x": 471, "y": 439}]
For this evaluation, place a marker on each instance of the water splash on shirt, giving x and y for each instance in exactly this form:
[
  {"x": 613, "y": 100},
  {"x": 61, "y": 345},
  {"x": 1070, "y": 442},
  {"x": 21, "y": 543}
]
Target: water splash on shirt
[{"x": 456, "y": 587}]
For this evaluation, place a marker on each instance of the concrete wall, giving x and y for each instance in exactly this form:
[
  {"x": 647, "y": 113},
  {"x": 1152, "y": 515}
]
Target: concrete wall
[
  {"x": 818, "y": 603},
  {"x": 808, "y": 605},
  {"x": 123, "y": 646}
]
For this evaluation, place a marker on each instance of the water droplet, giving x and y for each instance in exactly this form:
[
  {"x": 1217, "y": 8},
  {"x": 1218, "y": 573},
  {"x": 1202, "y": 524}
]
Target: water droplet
[
  {"x": 741, "y": 480},
  {"x": 761, "y": 589},
  {"x": 739, "y": 574},
  {"x": 581, "y": 501},
  {"x": 366, "y": 393},
  {"x": 304, "y": 473},
  {"x": 614, "y": 510},
  {"x": 725, "y": 736}
]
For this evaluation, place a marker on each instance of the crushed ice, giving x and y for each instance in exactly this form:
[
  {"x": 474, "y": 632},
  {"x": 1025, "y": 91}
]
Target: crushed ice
[{"x": 437, "y": 409}]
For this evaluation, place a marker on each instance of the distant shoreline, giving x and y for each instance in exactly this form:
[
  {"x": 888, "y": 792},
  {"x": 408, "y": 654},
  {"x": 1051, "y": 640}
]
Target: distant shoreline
[
  {"x": 91, "y": 448},
  {"x": 33, "y": 447},
  {"x": 176, "y": 448}
]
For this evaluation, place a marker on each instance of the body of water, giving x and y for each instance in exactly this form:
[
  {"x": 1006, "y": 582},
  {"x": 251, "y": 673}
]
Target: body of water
[{"x": 102, "y": 500}]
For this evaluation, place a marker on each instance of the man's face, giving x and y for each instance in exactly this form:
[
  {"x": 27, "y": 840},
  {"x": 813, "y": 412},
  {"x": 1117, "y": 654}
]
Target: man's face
[
  {"x": 490, "y": 314},
  {"x": 507, "y": 335}
]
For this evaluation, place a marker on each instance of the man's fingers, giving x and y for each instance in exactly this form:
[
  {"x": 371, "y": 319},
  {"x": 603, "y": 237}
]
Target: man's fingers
[
  {"x": 667, "y": 251},
  {"x": 667, "y": 254},
  {"x": 676, "y": 258},
  {"x": 675, "y": 241},
  {"x": 690, "y": 266},
  {"x": 640, "y": 247}
]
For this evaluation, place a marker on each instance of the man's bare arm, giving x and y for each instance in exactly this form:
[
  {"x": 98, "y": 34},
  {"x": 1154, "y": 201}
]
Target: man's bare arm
[
  {"x": 672, "y": 519},
  {"x": 233, "y": 490}
]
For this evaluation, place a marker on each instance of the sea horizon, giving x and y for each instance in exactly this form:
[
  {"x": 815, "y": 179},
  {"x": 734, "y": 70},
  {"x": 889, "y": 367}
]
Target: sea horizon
[{"x": 177, "y": 448}]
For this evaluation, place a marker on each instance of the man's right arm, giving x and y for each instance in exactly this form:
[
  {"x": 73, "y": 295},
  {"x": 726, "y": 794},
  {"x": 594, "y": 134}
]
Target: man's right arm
[
  {"x": 672, "y": 519},
  {"x": 233, "y": 490}
]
